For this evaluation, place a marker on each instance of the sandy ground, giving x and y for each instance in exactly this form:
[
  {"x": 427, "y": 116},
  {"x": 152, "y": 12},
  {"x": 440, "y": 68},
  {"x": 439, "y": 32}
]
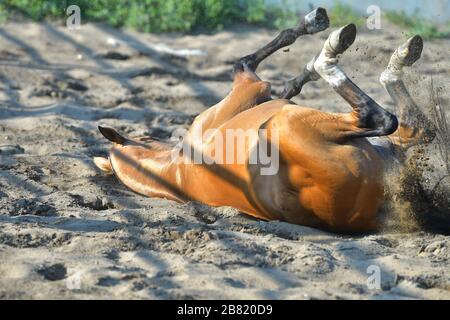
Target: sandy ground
[{"x": 68, "y": 231}]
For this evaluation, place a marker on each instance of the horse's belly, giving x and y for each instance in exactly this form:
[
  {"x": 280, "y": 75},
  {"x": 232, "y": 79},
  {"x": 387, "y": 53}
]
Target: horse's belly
[{"x": 343, "y": 190}]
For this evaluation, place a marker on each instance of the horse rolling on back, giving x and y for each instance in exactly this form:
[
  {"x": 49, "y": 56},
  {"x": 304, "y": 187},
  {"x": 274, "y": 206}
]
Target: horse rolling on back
[{"x": 326, "y": 169}]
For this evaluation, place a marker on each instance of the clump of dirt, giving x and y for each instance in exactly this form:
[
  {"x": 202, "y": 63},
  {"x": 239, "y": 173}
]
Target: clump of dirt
[
  {"x": 409, "y": 199},
  {"x": 20, "y": 207},
  {"x": 398, "y": 213},
  {"x": 53, "y": 272}
]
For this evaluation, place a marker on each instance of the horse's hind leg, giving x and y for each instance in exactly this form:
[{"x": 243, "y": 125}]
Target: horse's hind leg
[{"x": 414, "y": 126}]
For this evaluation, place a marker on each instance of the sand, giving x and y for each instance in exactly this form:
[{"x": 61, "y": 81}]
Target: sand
[{"x": 69, "y": 231}]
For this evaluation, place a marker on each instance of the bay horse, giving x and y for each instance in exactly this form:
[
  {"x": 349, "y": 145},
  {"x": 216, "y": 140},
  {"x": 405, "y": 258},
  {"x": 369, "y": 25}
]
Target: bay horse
[{"x": 329, "y": 170}]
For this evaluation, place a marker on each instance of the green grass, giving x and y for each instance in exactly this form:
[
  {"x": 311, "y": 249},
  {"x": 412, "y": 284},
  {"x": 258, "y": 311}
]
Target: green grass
[
  {"x": 3, "y": 16},
  {"x": 189, "y": 15},
  {"x": 173, "y": 15},
  {"x": 342, "y": 14},
  {"x": 147, "y": 15},
  {"x": 280, "y": 17},
  {"x": 416, "y": 25}
]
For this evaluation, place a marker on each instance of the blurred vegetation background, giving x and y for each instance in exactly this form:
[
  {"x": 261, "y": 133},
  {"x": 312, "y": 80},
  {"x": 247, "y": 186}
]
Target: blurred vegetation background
[{"x": 198, "y": 15}]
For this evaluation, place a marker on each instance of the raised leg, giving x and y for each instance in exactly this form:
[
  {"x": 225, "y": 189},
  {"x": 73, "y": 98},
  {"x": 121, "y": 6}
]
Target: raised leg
[
  {"x": 294, "y": 86},
  {"x": 368, "y": 118},
  {"x": 414, "y": 127},
  {"x": 248, "y": 89},
  {"x": 313, "y": 22}
]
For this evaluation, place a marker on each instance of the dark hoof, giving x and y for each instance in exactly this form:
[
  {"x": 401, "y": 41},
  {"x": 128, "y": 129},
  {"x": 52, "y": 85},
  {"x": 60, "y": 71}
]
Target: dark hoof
[
  {"x": 410, "y": 51},
  {"x": 316, "y": 21},
  {"x": 342, "y": 39}
]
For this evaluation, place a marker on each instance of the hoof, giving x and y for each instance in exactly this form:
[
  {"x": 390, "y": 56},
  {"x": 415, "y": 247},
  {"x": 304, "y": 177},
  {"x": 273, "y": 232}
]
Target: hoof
[
  {"x": 316, "y": 21},
  {"x": 340, "y": 40},
  {"x": 410, "y": 51}
]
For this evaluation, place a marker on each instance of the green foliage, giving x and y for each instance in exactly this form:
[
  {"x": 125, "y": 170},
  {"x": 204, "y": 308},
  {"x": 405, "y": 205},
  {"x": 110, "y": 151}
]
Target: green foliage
[
  {"x": 188, "y": 15},
  {"x": 256, "y": 11},
  {"x": 159, "y": 16},
  {"x": 36, "y": 9},
  {"x": 281, "y": 17},
  {"x": 147, "y": 15},
  {"x": 416, "y": 25},
  {"x": 342, "y": 14},
  {"x": 3, "y": 14}
]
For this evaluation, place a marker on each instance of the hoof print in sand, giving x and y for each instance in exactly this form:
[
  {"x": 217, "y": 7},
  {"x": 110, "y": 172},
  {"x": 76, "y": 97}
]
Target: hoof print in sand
[{"x": 53, "y": 272}]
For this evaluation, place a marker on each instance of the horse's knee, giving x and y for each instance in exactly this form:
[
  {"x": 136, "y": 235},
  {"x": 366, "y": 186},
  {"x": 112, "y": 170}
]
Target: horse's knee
[{"x": 244, "y": 76}]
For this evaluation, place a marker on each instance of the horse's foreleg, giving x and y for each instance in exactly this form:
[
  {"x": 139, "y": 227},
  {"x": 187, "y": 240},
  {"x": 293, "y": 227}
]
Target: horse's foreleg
[
  {"x": 294, "y": 86},
  {"x": 248, "y": 89},
  {"x": 313, "y": 22}
]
